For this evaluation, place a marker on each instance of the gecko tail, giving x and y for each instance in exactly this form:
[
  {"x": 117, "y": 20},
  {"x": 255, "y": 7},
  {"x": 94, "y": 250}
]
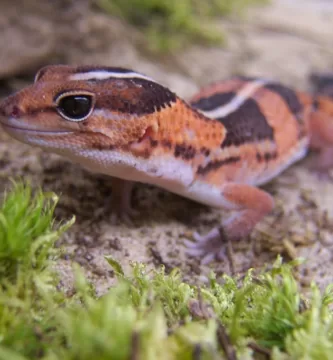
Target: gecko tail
[
  {"x": 321, "y": 119},
  {"x": 322, "y": 83}
]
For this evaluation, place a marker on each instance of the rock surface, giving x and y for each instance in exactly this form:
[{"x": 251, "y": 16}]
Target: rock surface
[{"x": 285, "y": 41}]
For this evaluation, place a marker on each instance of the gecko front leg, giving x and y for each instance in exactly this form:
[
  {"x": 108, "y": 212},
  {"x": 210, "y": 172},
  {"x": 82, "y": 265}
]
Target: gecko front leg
[
  {"x": 121, "y": 200},
  {"x": 249, "y": 204}
]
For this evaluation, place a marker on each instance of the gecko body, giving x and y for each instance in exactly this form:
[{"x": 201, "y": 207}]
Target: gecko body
[{"x": 215, "y": 148}]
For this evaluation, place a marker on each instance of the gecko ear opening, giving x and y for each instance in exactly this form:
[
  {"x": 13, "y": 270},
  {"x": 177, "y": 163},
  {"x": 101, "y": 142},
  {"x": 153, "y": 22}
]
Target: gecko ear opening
[
  {"x": 147, "y": 134},
  {"x": 75, "y": 107}
]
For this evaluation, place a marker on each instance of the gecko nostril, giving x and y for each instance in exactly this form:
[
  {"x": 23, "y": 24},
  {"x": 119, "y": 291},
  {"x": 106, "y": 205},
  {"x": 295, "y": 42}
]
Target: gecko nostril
[{"x": 15, "y": 111}]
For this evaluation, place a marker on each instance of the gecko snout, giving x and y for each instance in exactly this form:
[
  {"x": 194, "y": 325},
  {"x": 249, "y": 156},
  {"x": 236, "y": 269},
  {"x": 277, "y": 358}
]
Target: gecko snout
[{"x": 9, "y": 108}]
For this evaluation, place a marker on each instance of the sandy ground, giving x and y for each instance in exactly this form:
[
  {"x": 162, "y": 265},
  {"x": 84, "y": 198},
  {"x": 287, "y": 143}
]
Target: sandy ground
[{"x": 285, "y": 41}]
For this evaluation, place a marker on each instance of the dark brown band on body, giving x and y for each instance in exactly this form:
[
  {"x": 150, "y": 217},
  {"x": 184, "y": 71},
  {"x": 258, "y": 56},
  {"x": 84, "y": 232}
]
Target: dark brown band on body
[
  {"x": 246, "y": 125},
  {"x": 214, "y": 165},
  {"x": 214, "y": 101}
]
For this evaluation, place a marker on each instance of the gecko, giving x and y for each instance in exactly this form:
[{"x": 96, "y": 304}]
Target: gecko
[{"x": 216, "y": 148}]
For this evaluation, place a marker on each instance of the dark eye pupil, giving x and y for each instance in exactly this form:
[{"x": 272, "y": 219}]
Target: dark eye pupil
[{"x": 75, "y": 107}]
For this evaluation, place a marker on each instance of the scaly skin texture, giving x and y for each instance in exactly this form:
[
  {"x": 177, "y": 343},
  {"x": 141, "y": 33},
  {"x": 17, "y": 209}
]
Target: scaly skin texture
[{"x": 215, "y": 149}]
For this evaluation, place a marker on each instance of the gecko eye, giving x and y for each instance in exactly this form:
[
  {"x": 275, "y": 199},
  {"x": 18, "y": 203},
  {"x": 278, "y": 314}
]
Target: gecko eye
[{"x": 75, "y": 107}]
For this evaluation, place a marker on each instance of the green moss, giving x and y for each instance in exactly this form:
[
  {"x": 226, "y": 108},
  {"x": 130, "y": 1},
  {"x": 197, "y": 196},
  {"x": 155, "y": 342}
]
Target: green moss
[
  {"x": 27, "y": 279},
  {"x": 148, "y": 314},
  {"x": 27, "y": 233},
  {"x": 172, "y": 24}
]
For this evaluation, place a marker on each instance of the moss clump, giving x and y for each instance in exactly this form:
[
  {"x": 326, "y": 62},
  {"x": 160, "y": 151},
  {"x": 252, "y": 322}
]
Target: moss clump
[
  {"x": 28, "y": 281},
  {"x": 148, "y": 314},
  {"x": 172, "y": 24}
]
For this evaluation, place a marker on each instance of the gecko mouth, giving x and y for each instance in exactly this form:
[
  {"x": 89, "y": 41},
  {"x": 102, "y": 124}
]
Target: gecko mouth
[{"x": 16, "y": 129}]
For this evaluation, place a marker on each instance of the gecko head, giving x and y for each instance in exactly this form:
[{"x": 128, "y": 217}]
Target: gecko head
[{"x": 84, "y": 107}]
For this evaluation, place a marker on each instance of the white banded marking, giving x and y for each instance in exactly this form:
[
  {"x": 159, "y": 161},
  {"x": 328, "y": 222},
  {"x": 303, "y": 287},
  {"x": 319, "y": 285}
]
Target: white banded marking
[
  {"x": 105, "y": 74},
  {"x": 237, "y": 101}
]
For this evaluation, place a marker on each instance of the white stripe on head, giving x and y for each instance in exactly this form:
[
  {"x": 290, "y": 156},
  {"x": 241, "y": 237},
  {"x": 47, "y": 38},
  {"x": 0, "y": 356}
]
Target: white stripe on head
[
  {"x": 106, "y": 74},
  {"x": 236, "y": 102}
]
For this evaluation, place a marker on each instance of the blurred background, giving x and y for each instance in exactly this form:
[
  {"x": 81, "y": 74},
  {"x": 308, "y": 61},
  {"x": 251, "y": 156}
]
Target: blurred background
[{"x": 184, "y": 43}]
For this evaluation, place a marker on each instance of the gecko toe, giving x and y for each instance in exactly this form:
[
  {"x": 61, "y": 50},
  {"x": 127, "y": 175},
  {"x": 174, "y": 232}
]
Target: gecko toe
[
  {"x": 209, "y": 247},
  {"x": 195, "y": 252},
  {"x": 208, "y": 258},
  {"x": 190, "y": 244}
]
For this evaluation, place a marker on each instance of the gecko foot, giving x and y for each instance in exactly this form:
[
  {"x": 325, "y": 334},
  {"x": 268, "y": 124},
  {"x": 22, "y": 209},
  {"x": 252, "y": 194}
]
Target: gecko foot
[
  {"x": 250, "y": 206},
  {"x": 208, "y": 247},
  {"x": 123, "y": 215}
]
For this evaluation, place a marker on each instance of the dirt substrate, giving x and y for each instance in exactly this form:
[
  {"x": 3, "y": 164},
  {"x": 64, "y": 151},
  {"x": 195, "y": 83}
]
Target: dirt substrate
[{"x": 285, "y": 41}]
